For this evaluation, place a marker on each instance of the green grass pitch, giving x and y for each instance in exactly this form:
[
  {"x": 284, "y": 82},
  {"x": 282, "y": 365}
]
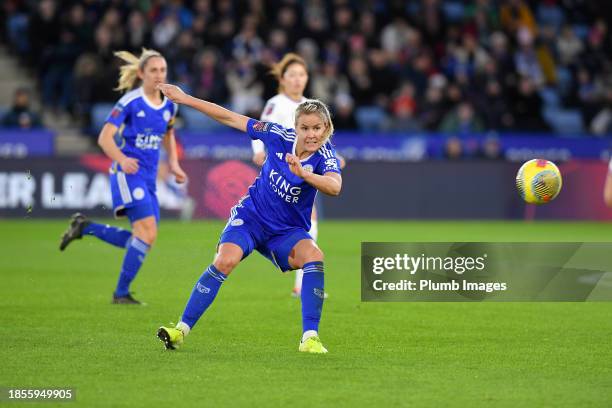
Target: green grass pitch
[{"x": 58, "y": 328}]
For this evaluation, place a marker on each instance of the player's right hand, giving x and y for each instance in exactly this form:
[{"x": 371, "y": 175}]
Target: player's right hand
[
  {"x": 129, "y": 165},
  {"x": 259, "y": 158},
  {"x": 172, "y": 92}
]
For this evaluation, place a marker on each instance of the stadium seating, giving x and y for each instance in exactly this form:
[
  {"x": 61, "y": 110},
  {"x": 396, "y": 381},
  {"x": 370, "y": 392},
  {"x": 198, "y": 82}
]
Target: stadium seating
[{"x": 371, "y": 118}]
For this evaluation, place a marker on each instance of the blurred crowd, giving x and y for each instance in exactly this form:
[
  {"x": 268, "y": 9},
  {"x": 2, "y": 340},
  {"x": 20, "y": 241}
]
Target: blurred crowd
[{"x": 452, "y": 66}]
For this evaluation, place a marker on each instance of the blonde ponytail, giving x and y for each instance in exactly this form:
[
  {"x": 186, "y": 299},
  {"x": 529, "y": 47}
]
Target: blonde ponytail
[{"x": 128, "y": 73}]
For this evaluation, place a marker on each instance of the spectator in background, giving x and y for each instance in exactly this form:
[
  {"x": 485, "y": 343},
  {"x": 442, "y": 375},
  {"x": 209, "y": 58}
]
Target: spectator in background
[
  {"x": 201, "y": 31},
  {"x": 467, "y": 60},
  {"x": 462, "y": 121},
  {"x": 138, "y": 32},
  {"x": 362, "y": 89},
  {"x": 516, "y": 14},
  {"x": 419, "y": 71},
  {"x": 431, "y": 23},
  {"x": 490, "y": 149},
  {"x": 247, "y": 44},
  {"x": 344, "y": 113},
  {"x": 106, "y": 76},
  {"x": 222, "y": 35},
  {"x": 316, "y": 23},
  {"x": 277, "y": 43},
  {"x": 245, "y": 91},
  {"x": 403, "y": 108},
  {"x": 112, "y": 21},
  {"x": 526, "y": 58},
  {"x": 501, "y": 54},
  {"x": 453, "y": 149},
  {"x": 367, "y": 28},
  {"x": 550, "y": 14},
  {"x": 180, "y": 59},
  {"x": 87, "y": 72},
  {"x": 44, "y": 31},
  {"x": 482, "y": 18},
  {"x": 165, "y": 31},
  {"x": 394, "y": 37},
  {"x": 494, "y": 108},
  {"x": 329, "y": 83},
  {"x": 384, "y": 80},
  {"x": 595, "y": 57},
  {"x": 21, "y": 115},
  {"x": 80, "y": 28},
  {"x": 527, "y": 107},
  {"x": 569, "y": 46},
  {"x": 433, "y": 109},
  {"x": 287, "y": 20},
  {"x": 343, "y": 21},
  {"x": 57, "y": 79},
  {"x": 209, "y": 80}
]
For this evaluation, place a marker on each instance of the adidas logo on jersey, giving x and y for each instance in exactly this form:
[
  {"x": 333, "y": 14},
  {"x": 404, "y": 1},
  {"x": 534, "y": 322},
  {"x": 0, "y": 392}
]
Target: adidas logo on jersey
[
  {"x": 280, "y": 156},
  {"x": 141, "y": 114}
]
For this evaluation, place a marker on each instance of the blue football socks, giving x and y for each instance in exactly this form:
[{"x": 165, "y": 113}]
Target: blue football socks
[
  {"x": 203, "y": 294},
  {"x": 312, "y": 295},
  {"x": 134, "y": 256},
  {"x": 113, "y": 235}
]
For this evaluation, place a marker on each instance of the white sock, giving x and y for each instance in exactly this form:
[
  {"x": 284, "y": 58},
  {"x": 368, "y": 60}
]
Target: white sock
[
  {"x": 299, "y": 274},
  {"x": 182, "y": 326},
  {"x": 308, "y": 334},
  {"x": 314, "y": 229}
]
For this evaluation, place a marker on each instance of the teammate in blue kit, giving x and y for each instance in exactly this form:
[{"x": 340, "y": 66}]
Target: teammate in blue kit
[
  {"x": 274, "y": 217},
  {"x": 144, "y": 119}
]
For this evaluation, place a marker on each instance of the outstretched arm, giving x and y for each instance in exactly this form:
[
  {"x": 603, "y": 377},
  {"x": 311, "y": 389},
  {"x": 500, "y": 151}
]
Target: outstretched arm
[{"x": 218, "y": 113}]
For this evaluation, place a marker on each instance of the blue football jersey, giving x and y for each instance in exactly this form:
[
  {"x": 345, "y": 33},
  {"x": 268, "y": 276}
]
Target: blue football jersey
[
  {"x": 282, "y": 199},
  {"x": 142, "y": 127}
]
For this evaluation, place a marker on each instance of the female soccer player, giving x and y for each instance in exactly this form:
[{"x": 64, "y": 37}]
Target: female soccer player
[
  {"x": 275, "y": 215},
  {"x": 144, "y": 119},
  {"x": 292, "y": 76}
]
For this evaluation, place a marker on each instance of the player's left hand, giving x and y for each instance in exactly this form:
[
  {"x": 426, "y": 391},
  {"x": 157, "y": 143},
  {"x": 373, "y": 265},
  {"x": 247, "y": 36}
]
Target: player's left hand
[
  {"x": 294, "y": 165},
  {"x": 179, "y": 174}
]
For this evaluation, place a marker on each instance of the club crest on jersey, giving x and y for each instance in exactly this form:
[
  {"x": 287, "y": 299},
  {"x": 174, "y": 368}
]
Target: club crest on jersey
[
  {"x": 236, "y": 222},
  {"x": 167, "y": 115},
  {"x": 261, "y": 126},
  {"x": 138, "y": 193},
  {"x": 308, "y": 168}
]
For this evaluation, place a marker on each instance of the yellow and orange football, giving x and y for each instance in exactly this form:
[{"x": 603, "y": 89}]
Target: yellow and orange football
[{"x": 539, "y": 181}]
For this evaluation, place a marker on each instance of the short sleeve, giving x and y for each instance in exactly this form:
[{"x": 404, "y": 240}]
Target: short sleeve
[
  {"x": 267, "y": 131},
  {"x": 118, "y": 114},
  {"x": 330, "y": 162}
]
